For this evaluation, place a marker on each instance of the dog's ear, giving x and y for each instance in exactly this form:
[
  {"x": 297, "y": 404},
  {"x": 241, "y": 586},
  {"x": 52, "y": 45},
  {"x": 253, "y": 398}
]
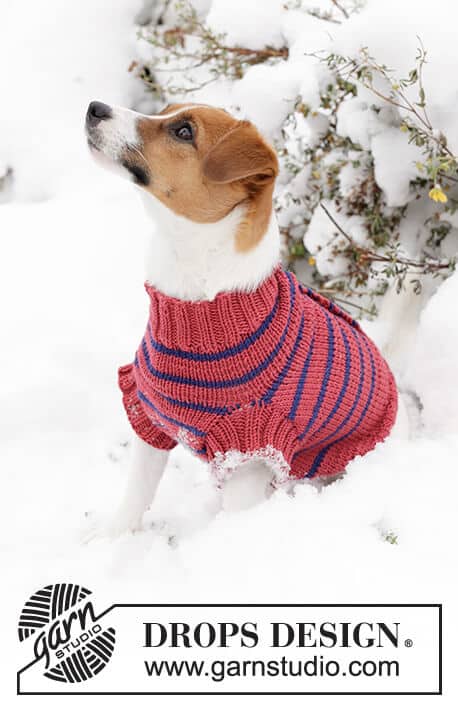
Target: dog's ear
[{"x": 241, "y": 153}]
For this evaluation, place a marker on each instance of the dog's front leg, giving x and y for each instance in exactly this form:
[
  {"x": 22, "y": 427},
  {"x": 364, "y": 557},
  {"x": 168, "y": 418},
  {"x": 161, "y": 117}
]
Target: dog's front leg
[
  {"x": 248, "y": 485},
  {"x": 146, "y": 468}
]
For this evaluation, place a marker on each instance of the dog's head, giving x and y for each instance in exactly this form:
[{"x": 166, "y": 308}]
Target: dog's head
[{"x": 197, "y": 160}]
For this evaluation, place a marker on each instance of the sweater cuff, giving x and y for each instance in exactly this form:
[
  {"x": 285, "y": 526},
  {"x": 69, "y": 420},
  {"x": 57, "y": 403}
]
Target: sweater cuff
[
  {"x": 255, "y": 431},
  {"x": 139, "y": 421}
]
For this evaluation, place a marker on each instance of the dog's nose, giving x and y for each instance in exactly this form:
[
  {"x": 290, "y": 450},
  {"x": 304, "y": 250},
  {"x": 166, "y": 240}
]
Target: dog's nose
[{"x": 96, "y": 112}]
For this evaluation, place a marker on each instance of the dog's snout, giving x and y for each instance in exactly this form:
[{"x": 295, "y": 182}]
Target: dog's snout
[{"x": 96, "y": 112}]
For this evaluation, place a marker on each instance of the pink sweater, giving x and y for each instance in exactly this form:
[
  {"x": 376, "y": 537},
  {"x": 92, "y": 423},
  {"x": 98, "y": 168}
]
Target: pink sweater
[{"x": 280, "y": 372}]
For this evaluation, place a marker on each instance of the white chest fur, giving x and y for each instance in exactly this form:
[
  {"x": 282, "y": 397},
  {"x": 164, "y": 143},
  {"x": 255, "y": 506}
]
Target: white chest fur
[{"x": 194, "y": 261}]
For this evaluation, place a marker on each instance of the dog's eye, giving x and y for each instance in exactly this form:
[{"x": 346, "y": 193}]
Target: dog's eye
[{"x": 184, "y": 132}]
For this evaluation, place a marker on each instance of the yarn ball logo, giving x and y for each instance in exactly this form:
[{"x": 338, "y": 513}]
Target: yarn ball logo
[{"x": 68, "y": 636}]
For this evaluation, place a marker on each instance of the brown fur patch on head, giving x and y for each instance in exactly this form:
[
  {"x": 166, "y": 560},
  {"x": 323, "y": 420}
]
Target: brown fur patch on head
[
  {"x": 226, "y": 163},
  {"x": 243, "y": 156}
]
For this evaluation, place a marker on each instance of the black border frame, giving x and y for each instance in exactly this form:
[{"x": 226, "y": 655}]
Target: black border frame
[{"x": 255, "y": 605}]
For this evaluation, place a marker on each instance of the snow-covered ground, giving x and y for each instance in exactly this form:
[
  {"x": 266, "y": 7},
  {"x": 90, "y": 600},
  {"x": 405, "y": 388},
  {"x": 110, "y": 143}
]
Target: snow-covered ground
[{"x": 73, "y": 308}]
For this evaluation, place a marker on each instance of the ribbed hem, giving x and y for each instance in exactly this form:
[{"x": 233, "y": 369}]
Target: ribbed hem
[
  {"x": 136, "y": 414},
  {"x": 254, "y": 431},
  {"x": 204, "y": 326}
]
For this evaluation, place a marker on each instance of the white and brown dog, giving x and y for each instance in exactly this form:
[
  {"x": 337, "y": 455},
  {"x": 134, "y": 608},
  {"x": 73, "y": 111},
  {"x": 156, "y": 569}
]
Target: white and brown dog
[{"x": 207, "y": 181}]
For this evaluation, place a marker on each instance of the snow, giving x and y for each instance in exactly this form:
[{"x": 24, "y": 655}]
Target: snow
[
  {"x": 54, "y": 58},
  {"x": 436, "y": 346},
  {"x": 376, "y": 133},
  {"x": 257, "y": 87},
  {"x": 394, "y": 177},
  {"x": 304, "y": 33},
  {"x": 245, "y": 25},
  {"x": 74, "y": 308},
  {"x": 357, "y": 121}
]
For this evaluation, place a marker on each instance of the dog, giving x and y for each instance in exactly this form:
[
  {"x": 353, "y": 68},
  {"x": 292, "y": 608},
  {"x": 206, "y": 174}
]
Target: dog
[{"x": 256, "y": 374}]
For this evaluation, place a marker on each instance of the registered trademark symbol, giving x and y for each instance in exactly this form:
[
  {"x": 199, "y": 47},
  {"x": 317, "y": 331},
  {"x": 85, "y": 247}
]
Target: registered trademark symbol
[{"x": 408, "y": 642}]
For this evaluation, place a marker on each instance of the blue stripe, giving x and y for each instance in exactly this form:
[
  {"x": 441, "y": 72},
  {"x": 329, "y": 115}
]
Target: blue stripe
[
  {"x": 301, "y": 383},
  {"x": 324, "y": 383},
  {"x": 344, "y": 384},
  {"x": 192, "y": 429},
  {"x": 217, "y": 356},
  {"x": 319, "y": 458},
  {"x": 196, "y": 451},
  {"x": 195, "y": 406},
  {"x": 268, "y": 396},
  {"x": 201, "y": 451},
  {"x": 226, "y": 383}
]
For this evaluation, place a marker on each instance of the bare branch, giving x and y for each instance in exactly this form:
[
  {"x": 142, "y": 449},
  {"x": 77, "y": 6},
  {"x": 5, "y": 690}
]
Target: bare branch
[
  {"x": 341, "y": 8},
  {"x": 336, "y": 224}
]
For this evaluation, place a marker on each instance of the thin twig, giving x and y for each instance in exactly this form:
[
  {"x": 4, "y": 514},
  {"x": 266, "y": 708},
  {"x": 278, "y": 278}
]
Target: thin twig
[
  {"x": 336, "y": 224},
  {"x": 282, "y": 53},
  {"x": 447, "y": 177},
  {"x": 421, "y": 63},
  {"x": 161, "y": 17},
  {"x": 349, "y": 303},
  {"x": 341, "y": 8},
  {"x": 325, "y": 16}
]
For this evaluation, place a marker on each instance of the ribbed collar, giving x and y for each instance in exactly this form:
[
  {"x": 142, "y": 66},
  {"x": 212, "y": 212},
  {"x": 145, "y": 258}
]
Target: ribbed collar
[{"x": 210, "y": 326}]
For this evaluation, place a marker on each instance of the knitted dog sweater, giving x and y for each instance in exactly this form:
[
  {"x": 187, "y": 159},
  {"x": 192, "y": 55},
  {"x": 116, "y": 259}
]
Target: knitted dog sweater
[{"x": 280, "y": 373}]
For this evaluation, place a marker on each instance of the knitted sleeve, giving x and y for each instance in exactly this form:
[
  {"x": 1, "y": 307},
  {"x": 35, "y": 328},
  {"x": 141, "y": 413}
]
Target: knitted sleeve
[
  {"x": 139, "y": 421},
  {"x": 255, "y": 430}
]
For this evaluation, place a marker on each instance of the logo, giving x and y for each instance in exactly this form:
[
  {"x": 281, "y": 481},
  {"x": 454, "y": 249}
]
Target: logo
[{"x": 68, "y": 637}]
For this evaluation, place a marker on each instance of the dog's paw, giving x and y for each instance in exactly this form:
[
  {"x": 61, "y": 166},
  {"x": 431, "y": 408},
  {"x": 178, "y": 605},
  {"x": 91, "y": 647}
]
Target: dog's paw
[
  {"x": 118, "y": 451},
  {"x": 166, "y": 529},
  {"x": 125, "y": 521}
]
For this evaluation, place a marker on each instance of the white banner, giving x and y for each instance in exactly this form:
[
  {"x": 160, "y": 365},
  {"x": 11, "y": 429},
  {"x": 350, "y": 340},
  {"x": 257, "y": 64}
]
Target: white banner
[{"x": 224, "y": 649}]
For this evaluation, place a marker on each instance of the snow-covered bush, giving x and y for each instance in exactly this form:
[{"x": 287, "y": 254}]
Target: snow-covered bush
[{"x": 368, "y": 188}]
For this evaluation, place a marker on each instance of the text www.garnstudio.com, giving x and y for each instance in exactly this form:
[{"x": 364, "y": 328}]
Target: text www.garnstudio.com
[
  {"x": 316, "y": 666},
  {"x": 308, "y": 636}
]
